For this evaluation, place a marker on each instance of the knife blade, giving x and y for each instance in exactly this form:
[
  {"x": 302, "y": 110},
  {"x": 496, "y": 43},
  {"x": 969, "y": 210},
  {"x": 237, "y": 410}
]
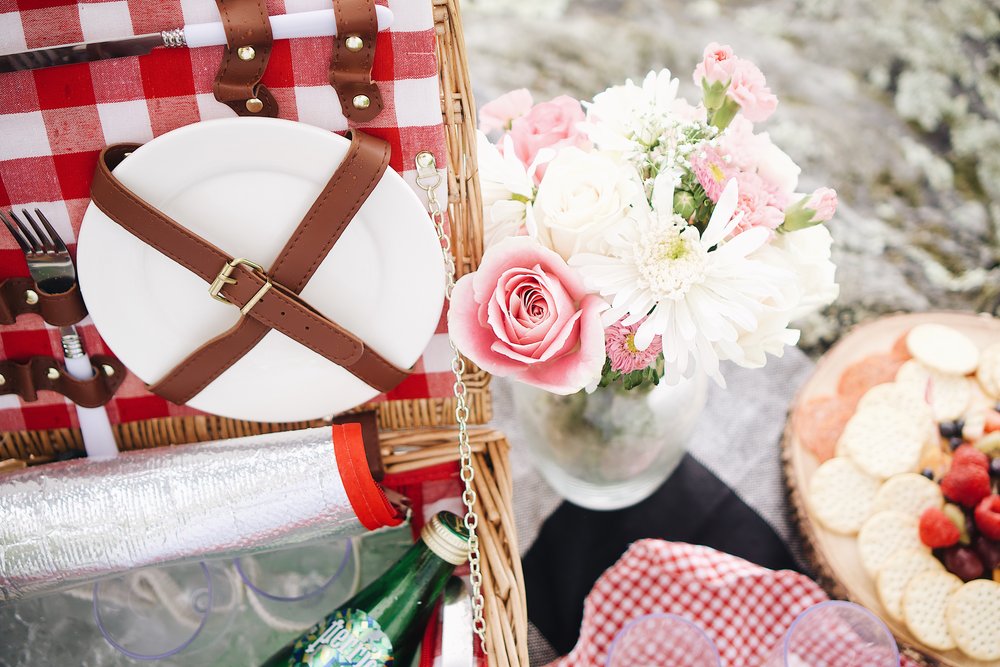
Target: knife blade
[
  {"x": 320, "y": 23},
  {"x": 456, "y": 622}
]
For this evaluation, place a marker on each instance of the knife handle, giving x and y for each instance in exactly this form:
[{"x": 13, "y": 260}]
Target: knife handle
[
  {"x": 98, "y": 438},
  {"x": 320, "y": 23}
]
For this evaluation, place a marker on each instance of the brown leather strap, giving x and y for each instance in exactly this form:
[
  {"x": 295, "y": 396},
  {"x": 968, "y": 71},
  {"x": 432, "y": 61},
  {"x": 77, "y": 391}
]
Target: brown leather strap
[
  {"x": 353, "y": 57},
  {"x": 280, "y": 308},
  {"x": 19, "y": 296},
  {"x": 27, "y": 378},
  {"x": 248, "y": 48}
]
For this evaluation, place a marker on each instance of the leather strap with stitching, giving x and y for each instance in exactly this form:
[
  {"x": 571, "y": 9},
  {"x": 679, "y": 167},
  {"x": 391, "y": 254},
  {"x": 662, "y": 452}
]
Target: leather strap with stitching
[
  {"x": 57, "y": 309},
  {"x": 27, "y": 378},
  {"x": 351, "y": 65},
  {"x": 248, "y": 48},
  {"x": 280, "y": 308}
]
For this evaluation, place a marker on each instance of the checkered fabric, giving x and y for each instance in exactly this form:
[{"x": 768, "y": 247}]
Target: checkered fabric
[
  {"x": 744, "y": 608},
  {"x": 53, "y": 123}
]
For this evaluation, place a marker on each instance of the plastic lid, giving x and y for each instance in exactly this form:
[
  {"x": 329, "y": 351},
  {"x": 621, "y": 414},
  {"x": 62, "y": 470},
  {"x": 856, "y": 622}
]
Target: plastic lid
[{"x": 446, "y": 536}]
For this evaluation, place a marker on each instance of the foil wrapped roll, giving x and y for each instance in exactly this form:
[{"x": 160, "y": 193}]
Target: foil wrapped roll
[{"x": 69, "y": 523}]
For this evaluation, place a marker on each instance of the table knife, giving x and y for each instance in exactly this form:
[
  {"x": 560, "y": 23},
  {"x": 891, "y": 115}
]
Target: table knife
[{"x": 320, "y": 23}]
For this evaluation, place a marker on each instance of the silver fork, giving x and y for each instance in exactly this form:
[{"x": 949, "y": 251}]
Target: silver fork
[{"x": 52, "y": 269}]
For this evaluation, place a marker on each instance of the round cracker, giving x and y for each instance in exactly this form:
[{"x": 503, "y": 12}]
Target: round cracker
[
  {"x": 871, "y": 371},
  {"x": 948, "y": 395},
  {"x": 884, "y": 534},
  {"x": 943, "y": 349},
  {"x": 820, "y": 422},
  {"x": 896, "y": 573},
  {"x": 924, "y": 602},
  {"x": 908, "y": 493},
  {"x": 884, "y": 441},
  {"x": 841, "y": 495},
  {"x": 988, "y": 372},
  {"x": 973, "y": 617},
  {"x": 901, "y": 398}
]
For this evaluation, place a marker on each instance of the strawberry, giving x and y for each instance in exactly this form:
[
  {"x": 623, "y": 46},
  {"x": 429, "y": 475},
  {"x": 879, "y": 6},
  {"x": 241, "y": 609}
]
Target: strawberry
[
  {"x": 969, "y": 455},
  {"x": 987, "y": 516},
  {"x": 936, "y": 529},
  {"x": 966, "y": 484}
]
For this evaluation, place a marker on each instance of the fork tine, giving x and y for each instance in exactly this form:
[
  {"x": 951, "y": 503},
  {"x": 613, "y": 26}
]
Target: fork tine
[
  {"x": 29, "y": 237},
  {"x": 25, "y": 248},
  {"x": 43, "y": 239},
  {"x": 53, "y": 234}
]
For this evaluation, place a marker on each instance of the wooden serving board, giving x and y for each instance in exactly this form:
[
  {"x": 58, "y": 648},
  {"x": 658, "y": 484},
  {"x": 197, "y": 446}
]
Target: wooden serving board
[{"x": 835, "y": 557}]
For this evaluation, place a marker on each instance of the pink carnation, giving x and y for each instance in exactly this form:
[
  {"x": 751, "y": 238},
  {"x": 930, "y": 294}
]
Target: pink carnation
[
  {"x": 717, "y": 64},
  {"x": 754, "y": 204},
  {"x": 713, "y": 170},
  {"x": 748, "y": 88},
  {"x": 548, "y": 125},
  {"x": 741, "y": 144},
  {"x": 824, "y": 202},
  {"x": 619, "y": 342},
  {"x": 501, "y": 112},
  {"x": 525, "y": 314}
]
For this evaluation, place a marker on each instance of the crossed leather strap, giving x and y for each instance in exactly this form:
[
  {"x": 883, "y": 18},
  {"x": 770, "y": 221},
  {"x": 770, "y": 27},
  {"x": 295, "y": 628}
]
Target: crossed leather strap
[{"x": 266, "y": 300}]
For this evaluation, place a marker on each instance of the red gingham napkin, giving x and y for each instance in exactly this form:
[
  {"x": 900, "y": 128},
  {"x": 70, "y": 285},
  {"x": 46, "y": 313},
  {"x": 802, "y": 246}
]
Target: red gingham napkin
[
  {"x": 744, "y": 608},
  {"x": 53, "y": 123}
]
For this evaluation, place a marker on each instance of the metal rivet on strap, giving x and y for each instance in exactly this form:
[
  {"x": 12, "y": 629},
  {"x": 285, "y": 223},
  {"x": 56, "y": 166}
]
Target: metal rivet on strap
[
  {"x": 254, "y": 105},
  {"x": 30, "y": 297},
  {"x": 354, "y": 43},
  {"x": 52, "y": 374},
  {"x": 362, "y": 101},
  {"x": 3, "y": 380},
  {"x": 108, "y": 370},
  {"x": 246, "y": 53},
  {"x": 425, "y": 159}
]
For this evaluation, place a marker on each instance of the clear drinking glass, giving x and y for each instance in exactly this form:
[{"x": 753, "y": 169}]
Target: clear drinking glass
[
  {"x": 836, "y": 634},
  {"x": 293, "y": 588},
  {"x": 655, "y": 640},
  {"x": 159, "y": 613}
]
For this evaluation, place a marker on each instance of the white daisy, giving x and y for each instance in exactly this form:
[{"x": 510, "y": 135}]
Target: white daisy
[
  {"x": 508, "y": 190},
  {"x": 701, "y": 292}
]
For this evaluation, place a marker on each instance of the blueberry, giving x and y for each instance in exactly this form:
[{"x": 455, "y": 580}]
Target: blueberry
[
  {"x": 995, "y": 467},
  {"x": 956, "y": 442},
  {"x": 929, "y": 474},
  {"x": 949, "y": 430}
]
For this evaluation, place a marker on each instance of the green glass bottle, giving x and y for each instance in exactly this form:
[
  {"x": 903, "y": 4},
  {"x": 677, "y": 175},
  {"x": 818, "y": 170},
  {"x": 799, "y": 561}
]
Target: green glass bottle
[{"x": 384, "y": 623}]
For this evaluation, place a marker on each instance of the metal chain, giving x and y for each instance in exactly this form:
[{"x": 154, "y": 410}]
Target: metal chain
[{"x": 428, "y": 180}]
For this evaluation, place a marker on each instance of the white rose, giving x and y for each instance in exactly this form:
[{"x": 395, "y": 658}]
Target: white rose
[
  {"x": 580, "y": 198},
  {"x": 807, "y": 252},
  {"x": 774, "y": 166}
]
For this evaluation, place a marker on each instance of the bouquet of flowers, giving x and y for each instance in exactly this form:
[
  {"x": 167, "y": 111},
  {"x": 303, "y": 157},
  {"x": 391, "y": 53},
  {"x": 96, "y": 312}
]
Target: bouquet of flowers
[{"x": 637, "y": 237}]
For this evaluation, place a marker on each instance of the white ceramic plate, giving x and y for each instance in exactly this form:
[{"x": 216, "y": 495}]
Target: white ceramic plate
[{"x": 244, "y": 184}]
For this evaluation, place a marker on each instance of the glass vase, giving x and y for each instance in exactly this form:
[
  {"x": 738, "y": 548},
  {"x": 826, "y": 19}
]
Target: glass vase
[{"x": 611, "y": 448}]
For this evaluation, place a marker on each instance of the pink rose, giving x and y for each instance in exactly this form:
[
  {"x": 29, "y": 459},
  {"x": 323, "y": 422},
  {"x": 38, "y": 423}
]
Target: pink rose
[
  {"x": 501, "y": 112},
  {"x": 525, "y": 315},
  {"x": 548, "y": 125},
  {"x": 717, "y": 64},
  {"x": 748, "y": 88},
  {"x": 824, "y": 202}
]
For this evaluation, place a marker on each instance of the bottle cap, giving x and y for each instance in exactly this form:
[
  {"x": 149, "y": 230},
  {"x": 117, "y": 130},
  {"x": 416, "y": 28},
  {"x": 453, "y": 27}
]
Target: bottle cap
[{"x": 445, "y": 535}]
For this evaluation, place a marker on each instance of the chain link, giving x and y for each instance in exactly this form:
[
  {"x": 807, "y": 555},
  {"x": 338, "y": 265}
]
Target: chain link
[{"x": 428, "y": 180}]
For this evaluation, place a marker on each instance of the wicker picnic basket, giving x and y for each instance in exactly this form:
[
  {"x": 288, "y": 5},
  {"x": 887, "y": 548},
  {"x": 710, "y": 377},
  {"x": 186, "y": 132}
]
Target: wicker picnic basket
[{"x": 415, "y": 433}]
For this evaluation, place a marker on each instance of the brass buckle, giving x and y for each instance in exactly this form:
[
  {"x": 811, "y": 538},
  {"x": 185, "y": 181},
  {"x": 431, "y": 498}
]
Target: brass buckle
[{"x": 224, "y": 279}]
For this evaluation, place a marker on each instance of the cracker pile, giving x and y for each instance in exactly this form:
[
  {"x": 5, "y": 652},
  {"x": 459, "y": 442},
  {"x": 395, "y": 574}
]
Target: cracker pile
[{"x": 910, "y": 452}]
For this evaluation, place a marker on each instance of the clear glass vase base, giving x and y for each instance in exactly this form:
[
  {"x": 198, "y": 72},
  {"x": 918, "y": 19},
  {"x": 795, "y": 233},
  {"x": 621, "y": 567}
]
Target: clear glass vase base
[{"x": 605, "y": 497}]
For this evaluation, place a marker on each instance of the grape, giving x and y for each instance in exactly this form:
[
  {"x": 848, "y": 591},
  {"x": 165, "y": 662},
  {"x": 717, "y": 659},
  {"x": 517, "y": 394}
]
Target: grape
[
  {"x": 988, "y": 552},
  {"x": 963, "y": 563}
]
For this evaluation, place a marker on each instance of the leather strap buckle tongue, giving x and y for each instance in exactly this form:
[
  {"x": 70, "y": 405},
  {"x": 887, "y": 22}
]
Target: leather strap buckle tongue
[{"x": 223, "y": 279}]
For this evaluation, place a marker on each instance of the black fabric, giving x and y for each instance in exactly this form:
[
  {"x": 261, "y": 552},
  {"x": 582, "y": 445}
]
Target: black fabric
[{"x": 576, "y": 545}]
